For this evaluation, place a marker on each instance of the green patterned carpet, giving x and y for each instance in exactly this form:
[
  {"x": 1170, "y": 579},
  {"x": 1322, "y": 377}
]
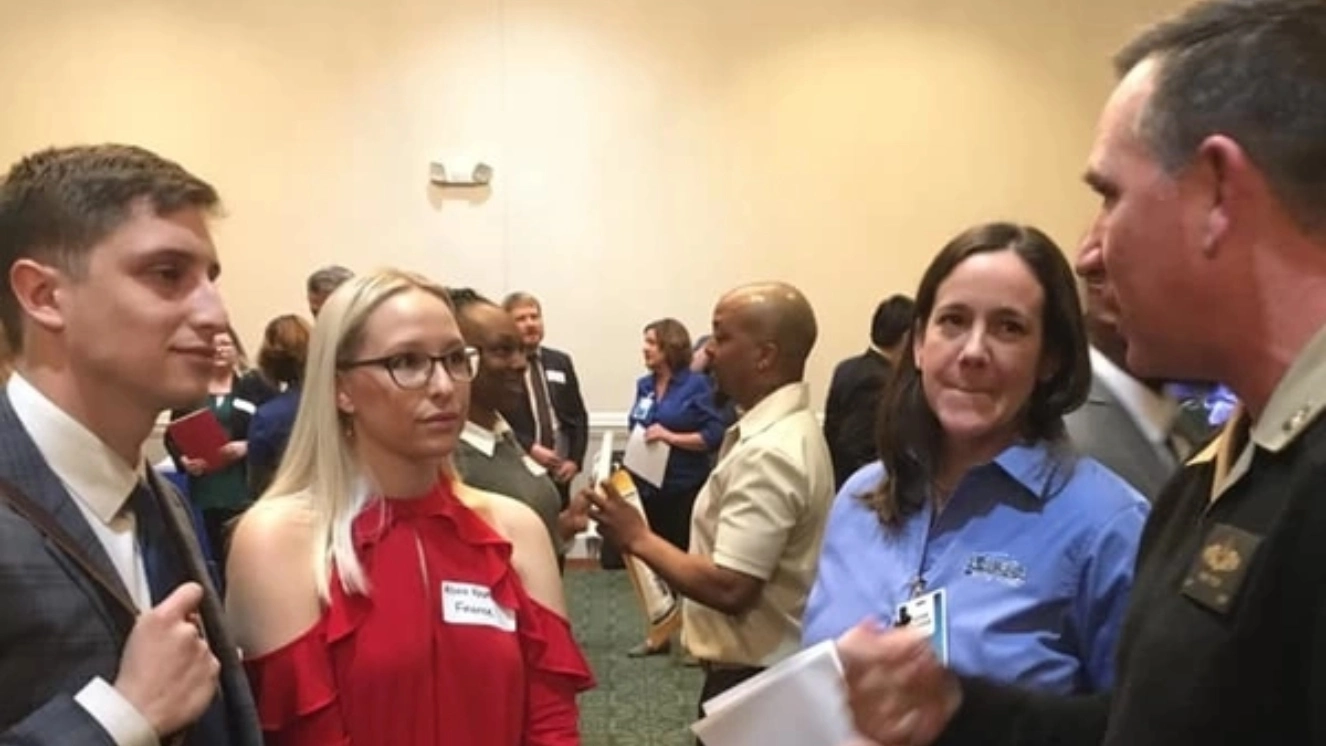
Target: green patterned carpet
[{"x": 639, "y": 701}]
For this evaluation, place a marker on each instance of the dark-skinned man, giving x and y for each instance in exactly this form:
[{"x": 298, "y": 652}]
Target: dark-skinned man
[{"x": 758, "y": 521}]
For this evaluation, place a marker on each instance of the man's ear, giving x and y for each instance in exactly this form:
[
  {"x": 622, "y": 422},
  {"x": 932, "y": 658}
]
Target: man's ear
[
  {"x": 1230, "y": 180},
  {"x": 39, "y": 290},
  {"x": 768, "y": 356}
]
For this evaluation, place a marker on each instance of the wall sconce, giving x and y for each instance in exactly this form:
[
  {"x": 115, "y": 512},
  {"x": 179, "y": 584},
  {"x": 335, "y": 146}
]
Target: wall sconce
[{"x": 460, "y": 173}]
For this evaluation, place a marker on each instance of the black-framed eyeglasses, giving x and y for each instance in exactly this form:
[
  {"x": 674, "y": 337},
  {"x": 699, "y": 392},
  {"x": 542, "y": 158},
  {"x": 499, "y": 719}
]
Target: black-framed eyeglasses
[{"x": 414, "y": 370}]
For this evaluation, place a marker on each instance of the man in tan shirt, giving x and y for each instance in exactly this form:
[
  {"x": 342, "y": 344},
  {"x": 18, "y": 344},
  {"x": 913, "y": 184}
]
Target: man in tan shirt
[{"x": 758, "y": 521}]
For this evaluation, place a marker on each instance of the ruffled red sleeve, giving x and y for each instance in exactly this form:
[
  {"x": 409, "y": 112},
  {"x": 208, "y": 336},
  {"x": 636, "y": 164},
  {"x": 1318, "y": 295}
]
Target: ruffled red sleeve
[
  {"x": 555, "y": 668},
  {"x": 556, "y": 671},
  {"x": 295, "y": 692}
]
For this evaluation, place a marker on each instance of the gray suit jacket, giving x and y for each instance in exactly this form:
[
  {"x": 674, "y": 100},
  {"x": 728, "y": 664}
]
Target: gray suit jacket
[
  {"x": 58, "y": 629},
  {"x": 1104, "y": 430}
]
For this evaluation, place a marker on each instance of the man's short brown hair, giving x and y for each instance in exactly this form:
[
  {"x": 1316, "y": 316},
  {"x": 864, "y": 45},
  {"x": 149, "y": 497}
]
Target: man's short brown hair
[{"x": 56, "y": 204}]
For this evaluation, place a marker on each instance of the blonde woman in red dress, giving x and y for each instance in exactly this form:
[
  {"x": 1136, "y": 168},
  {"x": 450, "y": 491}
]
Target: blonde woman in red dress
[{"x": 377, "y": 601}]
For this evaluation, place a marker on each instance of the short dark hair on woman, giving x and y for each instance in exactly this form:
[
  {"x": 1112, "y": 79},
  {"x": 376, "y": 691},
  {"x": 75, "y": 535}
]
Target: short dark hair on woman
[
  {"x": 284, "y": 349},
  {"x": 908, "y": 434},
  {"x": 674, "y": 341}
]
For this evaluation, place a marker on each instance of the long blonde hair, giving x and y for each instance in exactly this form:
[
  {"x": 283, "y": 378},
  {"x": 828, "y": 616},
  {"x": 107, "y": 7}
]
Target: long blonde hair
[{"x": 320, "y": 467}]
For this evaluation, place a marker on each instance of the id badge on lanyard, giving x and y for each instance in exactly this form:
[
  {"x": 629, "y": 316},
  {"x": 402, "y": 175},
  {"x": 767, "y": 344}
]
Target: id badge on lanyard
[
  {"x": 928, "y": 614},
  {"x": 644, "y": 409}
]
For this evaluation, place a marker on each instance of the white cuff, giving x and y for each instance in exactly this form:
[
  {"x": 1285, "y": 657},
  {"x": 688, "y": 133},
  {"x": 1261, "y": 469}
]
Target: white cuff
[{"x": 125, "y": 724}]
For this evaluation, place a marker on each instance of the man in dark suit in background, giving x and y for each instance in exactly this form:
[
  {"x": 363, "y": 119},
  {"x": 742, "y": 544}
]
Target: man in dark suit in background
[
  {"x": 114, "y": 633},
  {"x": 550, "y": 420},
  {"x": 857, "y": 386},
  {"x": 1129, "y": 425}
]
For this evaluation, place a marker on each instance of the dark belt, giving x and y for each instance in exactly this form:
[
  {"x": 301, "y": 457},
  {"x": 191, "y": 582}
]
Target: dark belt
[{"x": 711, "y": 666}]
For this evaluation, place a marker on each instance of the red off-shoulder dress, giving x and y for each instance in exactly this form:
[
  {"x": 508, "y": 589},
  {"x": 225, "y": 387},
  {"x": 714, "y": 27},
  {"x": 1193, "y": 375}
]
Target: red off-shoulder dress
[{"x": 447, "y": 648}]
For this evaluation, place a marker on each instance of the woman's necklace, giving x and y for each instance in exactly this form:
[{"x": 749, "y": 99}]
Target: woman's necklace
[{"x": 940, "y": 492}]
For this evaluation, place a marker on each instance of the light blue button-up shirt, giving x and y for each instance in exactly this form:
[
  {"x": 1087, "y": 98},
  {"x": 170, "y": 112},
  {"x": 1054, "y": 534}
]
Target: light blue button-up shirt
[{"x": 1035, "y": 555}]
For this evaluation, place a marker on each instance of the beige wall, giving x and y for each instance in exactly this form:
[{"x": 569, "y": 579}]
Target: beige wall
[{"x": 648, "y": 154}]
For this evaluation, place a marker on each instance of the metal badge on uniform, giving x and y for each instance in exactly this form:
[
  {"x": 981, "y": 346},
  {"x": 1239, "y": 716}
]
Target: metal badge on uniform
[
  {"x": 928, "y": 615},
  {"x": 555, "y": 376},
  {"x": 1218, "y": 570}
]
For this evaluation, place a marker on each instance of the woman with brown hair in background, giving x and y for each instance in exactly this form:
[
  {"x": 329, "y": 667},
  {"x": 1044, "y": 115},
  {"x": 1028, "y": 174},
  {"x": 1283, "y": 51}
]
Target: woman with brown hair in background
[
  {"x": 220, "y": 490},
  {"x": 281, "y": 359},
  {"x": 674, "y": 405}
]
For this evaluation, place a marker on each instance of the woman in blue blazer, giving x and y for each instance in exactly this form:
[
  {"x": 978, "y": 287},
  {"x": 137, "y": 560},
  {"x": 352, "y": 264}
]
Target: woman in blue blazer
[{"x": 676, "y": 406}]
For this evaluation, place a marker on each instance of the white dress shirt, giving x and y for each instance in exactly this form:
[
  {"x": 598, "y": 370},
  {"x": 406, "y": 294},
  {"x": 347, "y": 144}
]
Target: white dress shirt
[
  {"x": 531, "y": 380},
  {"x": 1153, "y": 412},
  {"x": 99, "y": 481}
]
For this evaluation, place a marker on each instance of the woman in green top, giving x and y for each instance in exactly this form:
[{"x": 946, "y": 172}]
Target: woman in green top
[{"x": 234, "y": 393}]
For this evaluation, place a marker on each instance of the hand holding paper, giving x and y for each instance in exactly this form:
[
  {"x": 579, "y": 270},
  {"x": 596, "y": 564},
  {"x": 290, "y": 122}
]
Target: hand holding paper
[
  {"x": 617, "y": 498},
  {"x": 618, "y": 521},
  {"x": 897, "y": 689},
  {"x": 799, "y": 702}
]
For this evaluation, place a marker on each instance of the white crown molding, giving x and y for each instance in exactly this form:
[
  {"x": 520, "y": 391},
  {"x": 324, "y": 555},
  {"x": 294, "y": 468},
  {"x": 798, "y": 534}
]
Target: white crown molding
[{"x": 608, "y": 420}]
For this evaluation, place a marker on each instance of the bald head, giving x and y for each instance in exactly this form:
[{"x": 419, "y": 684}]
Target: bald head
[{"x": 775, "y": 312}]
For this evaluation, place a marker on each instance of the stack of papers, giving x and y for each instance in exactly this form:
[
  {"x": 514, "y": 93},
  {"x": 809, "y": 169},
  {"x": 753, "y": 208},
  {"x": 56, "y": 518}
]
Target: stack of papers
[
  {"x": 799, "y": 702},
  {"x": 649, "y": 461}
]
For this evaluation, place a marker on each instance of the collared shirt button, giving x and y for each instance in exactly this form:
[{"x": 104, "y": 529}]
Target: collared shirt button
[{"x": 1297, "y": 419}]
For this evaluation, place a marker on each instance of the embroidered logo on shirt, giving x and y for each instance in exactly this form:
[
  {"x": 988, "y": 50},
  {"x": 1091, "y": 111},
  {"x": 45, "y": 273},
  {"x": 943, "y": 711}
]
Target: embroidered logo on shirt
[{"x": 998, "y": 567}]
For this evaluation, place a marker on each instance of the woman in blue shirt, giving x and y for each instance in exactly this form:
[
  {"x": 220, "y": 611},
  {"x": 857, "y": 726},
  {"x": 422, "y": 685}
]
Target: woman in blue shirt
[
  {"x": 978, "y": 491},
  {"x": 675, "y": 405}
]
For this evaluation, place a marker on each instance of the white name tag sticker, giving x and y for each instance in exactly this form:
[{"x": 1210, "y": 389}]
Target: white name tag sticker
[
  {"x": 555, "y": 376},
  {"x": 244, "y": 406},
  {"x": 470, "y": 604}
]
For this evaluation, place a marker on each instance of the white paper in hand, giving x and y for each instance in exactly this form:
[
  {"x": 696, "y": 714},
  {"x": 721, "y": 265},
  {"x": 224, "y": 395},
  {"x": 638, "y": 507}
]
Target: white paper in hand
[
  {"x": 799, "y": 702},
  {"x": 603, "y": 461},
  {"x": 648, "y": 461}
]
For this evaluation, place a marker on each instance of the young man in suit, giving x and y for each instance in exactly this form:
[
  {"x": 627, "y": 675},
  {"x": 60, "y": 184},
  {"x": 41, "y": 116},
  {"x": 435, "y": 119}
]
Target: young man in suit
[
  {"x": 550, "y": 420},
  {"x": 857, "y": 386},
  {"x": 758, "y": 521},
  {"x": 110, "y": 304}
]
